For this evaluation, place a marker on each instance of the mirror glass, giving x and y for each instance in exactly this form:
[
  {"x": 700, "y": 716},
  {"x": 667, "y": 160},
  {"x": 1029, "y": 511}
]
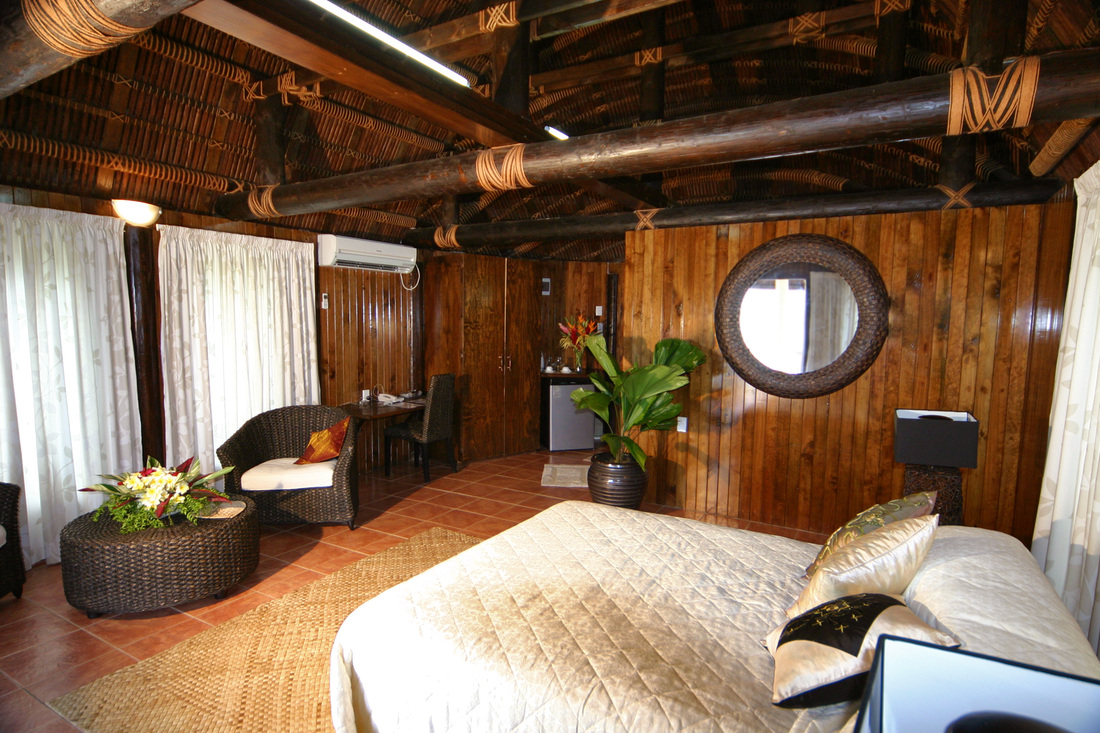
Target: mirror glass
[{"x": 798, "y": 317}]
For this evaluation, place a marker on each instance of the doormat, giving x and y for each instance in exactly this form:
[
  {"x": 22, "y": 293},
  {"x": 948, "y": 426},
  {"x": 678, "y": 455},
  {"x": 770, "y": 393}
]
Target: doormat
[{"x": 556, "y": 474}]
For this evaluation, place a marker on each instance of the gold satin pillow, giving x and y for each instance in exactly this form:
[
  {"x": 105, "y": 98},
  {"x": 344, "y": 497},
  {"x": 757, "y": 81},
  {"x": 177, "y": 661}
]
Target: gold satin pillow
[
  {"x": 324, "y": 445},
  {"x": 872, "y": 518},
  {"x": 883, "y": 561}
]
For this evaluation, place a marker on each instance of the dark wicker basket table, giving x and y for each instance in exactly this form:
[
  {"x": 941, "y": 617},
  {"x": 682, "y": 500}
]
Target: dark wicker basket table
[{"x": 104, "y": 571}]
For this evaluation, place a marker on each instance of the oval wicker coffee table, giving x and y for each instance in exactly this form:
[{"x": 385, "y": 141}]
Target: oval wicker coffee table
[{"x": 104, "y": 571}]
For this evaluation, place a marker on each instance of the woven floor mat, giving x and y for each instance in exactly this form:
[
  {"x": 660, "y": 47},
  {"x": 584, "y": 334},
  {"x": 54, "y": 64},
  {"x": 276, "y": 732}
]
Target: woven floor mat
[
  {"x": 558, "y": 474},
  {"x": 266, "y": 670}
]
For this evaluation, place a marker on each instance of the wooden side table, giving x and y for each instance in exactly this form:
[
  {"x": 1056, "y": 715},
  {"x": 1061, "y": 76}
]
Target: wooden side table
[{"x": 104, "y": 571}]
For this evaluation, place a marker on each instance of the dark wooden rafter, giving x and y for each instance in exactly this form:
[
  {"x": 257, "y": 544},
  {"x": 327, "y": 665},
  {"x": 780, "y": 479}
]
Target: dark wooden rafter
[
  {"x": 501, "y": 233},
  {"x": 1060, "y": 144},
  {"x": 1068, "y": 88},
  {"x": 469, "y": 35},
  {"x": 26, "y": 58},
  {"x": 708, "y": 48},
  {"x": 327, "y": 47}
]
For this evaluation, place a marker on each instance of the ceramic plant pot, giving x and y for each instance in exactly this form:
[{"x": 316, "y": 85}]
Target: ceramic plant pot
[{"x": 617, "y": 484}]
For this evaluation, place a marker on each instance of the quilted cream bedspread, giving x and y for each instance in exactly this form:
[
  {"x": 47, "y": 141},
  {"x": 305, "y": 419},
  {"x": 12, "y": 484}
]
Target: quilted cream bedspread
[{"x": 583, "y": 618}]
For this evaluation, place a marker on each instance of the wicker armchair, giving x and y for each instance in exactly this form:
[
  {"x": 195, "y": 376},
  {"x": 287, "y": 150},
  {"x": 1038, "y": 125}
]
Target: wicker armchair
[
  {"x": 437, "y": 424},
  {"x": 283, "y": 433},
  {"x": 12, "y": 573}
]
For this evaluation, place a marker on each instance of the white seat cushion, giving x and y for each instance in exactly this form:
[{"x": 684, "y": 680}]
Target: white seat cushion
[{"x": 279, "y": 474}]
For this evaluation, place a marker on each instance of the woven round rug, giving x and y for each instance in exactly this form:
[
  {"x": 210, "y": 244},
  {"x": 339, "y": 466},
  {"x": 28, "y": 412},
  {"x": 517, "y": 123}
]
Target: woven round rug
[{"x": 265, "y": 670}]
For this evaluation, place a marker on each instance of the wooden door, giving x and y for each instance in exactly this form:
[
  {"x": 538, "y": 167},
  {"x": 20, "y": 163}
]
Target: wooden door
[
  {"x": 521, "y": 384},
  {"x": 482, "y": 387}
]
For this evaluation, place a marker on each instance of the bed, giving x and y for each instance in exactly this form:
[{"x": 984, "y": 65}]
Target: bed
[{"x": 588, "y": 617}]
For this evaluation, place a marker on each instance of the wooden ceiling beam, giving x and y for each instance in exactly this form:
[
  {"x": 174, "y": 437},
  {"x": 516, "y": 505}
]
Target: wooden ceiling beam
[
  {"x": 27, "y": 58},
  {"x": 1068, "y": 87},
  {"x": 473, "y": 236},
  {"x": 707, "y": 49},
  {"x": 1061, "y": 142},
  {"x": 469, "y": 35},
  {"x": 327, "y": 46}
]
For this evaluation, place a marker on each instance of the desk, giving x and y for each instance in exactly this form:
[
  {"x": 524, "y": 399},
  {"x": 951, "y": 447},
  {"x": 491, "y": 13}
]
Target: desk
[{"x": 377, "y": 411}]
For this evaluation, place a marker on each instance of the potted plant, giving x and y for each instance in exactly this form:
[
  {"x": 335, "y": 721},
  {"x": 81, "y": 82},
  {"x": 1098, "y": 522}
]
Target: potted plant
[{"x": 633, "y": 401}]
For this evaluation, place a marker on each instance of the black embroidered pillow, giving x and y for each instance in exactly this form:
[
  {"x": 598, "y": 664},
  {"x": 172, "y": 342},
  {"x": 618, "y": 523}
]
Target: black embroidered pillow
[{"x": 824, "y": 655}]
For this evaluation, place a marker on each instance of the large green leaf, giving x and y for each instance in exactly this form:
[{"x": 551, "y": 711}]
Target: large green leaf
[
  {"x": 598, "y": 346},
  {"x": 598, "y": 402},
  {"x": 677, "y": 351}
]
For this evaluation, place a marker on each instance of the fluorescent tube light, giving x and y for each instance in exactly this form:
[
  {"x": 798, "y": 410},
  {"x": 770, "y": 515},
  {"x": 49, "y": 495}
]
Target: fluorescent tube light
[
  {"x": 390, "y": 41},
  {"x": 556, "y": 132}
]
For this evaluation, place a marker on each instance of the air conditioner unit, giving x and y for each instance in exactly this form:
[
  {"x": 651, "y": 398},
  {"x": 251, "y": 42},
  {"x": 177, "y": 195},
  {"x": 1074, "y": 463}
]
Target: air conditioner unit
[{"x": 337, "y": 251}]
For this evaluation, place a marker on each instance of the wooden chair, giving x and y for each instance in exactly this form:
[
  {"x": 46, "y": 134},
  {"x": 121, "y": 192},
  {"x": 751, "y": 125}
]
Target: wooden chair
[
  {"x": 282, "y": 433},
  {"x": 12, "y": 572},
  {"x": 437, "y": 425}
]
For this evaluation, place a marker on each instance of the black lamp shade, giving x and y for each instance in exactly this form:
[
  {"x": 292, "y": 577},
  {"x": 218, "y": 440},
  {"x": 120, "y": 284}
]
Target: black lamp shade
[{"x": 936, "y": 438}]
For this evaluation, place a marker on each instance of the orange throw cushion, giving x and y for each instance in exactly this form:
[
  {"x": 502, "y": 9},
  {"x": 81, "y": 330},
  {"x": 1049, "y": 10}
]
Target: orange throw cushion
[{"x": 324, "y": 445}]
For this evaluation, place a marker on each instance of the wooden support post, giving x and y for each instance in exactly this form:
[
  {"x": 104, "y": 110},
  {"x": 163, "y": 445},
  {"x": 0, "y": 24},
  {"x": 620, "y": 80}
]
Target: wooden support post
[{"x": 141, "y": 276}]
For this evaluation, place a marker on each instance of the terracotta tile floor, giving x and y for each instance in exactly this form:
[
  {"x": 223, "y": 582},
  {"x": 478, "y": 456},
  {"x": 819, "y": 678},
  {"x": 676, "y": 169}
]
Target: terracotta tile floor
[{"x": 48, "y": 648}]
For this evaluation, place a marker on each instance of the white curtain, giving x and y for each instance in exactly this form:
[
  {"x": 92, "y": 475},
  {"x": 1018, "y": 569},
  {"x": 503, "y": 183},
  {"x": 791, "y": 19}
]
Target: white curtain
[
  {"x": 834, "y": 316},
  {"x": 238, "y": 334},
  {"x": 68, "y": 390},
  {"x": 1067, "y": 527}
]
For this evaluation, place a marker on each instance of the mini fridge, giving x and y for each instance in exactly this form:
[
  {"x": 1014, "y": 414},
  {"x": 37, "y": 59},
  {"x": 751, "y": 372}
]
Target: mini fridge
[{"x": 564, "y": 427}]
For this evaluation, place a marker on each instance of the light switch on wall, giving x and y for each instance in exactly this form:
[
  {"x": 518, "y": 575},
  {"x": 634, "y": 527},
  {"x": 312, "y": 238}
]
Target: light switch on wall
[
  {"x": 599, "y": 310},
  {"x": 681, "y": 424}
]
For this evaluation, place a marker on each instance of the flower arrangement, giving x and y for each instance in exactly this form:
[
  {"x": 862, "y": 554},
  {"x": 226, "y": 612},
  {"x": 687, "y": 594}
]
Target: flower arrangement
[
  {"x": 140, "y": 499},
  {"x": 576, "y": 336}
]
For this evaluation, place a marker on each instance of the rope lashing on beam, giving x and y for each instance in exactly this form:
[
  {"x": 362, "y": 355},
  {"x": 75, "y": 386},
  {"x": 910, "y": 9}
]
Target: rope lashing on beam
[
  {"x": 261, "y": 202},
  {"x": 645, "y": 219},
  {"x": 884, "y": 7},
  {"x": 374, "y": 215},
  {"x": 971, "y": 107},
  {"x": 647, "y": 56},
  {"x": 75, "y": 28},
  {"x": 956, "y": 199},
  {"x": 193, "y": 57},
  {"x": 288, "y": 85},
  {"x": 807, "y": 28},
  {"x": 498, "y": 16},
  {"x": 509, "y": 176},
  {"x": 446, "y": 237},
  {"x": 1038, "y": 23},
  {"x": 123, "y": 163}
]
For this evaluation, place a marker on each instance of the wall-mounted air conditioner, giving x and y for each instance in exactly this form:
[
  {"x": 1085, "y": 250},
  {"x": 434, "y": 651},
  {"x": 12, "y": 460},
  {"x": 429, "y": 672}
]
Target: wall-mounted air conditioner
[{"x": 337, "y": 251}]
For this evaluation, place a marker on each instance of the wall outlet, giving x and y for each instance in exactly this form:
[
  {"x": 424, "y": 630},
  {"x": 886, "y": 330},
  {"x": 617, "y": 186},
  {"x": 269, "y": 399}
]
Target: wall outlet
[
  {"x": 681, "y": 424},
  {"x": 324, "y": 301}
]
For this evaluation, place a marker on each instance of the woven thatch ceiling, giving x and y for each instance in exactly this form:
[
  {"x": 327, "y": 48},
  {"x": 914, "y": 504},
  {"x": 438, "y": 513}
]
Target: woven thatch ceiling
[{"x": 201, "y": 105}]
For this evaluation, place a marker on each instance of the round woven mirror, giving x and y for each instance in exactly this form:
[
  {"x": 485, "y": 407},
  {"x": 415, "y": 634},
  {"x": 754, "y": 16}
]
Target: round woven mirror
[{"x": 778, "y": 303}]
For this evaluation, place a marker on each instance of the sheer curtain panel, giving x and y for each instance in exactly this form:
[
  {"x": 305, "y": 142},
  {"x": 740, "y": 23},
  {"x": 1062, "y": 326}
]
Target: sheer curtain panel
[
  {"x": 238, "y": 334},
  {"x": 1067, "y": 527},
  {"x": 68, "y": 391}
]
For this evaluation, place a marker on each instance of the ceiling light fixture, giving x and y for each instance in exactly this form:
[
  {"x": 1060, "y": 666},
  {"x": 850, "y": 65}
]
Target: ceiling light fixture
[
  {"x": 390, "y": 41},
  {"x": 556, "y": 132},
  {"x": 138, "y": 213}
]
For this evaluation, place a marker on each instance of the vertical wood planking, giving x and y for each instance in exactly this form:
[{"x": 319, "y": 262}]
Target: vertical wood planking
[{"x": 976, "y": 299}]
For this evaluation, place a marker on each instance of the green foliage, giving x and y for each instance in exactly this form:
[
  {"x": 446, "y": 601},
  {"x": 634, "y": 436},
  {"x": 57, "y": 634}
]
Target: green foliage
[{"x": 640, "y": 398}]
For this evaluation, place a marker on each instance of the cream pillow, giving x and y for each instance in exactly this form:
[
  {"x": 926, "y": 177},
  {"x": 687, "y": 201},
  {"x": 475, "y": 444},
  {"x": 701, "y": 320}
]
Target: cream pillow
[{"x": 883, "y": 561}]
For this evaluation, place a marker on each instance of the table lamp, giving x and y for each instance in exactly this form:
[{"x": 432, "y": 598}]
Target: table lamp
[{"x": 934, "y": 445}]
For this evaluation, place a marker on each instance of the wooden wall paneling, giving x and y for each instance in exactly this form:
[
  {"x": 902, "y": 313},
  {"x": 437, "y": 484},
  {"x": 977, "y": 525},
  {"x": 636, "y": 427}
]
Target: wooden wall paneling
[
  {"x": 1052, "y": 272},
  {"x": 442, "y": 333},
  {"x": 1021, "y": 327},
  {"x": 973, "y": 305},
  {"x": 522, "y": 381}
]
